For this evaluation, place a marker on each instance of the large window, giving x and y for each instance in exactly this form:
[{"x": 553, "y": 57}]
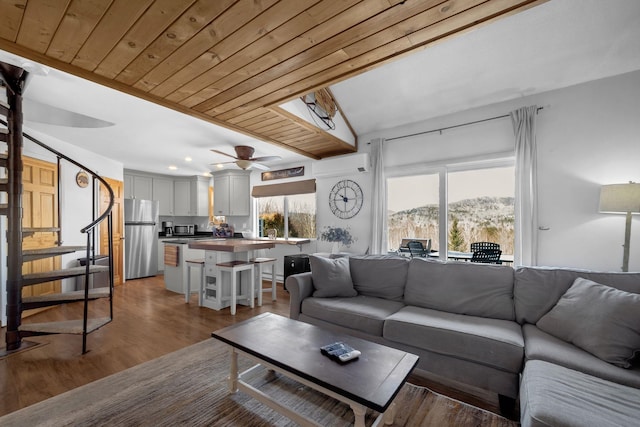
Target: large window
[
  {"x": 479, "y": 207},
  {"x": 300, "y": 210}
]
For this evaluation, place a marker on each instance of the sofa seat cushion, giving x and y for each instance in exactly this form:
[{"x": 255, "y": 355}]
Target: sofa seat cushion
[
  {"x": 492, "y": 342},
  {"x": 363, "y": 313},
  {"x": 552, "y": 395},
  {"x": 475, "y": 289},
  {"x": 540, "y": 345}
]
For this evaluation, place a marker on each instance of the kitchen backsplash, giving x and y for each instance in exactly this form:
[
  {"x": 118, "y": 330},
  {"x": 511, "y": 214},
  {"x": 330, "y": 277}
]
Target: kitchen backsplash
[{"x": 239, "y": 223}]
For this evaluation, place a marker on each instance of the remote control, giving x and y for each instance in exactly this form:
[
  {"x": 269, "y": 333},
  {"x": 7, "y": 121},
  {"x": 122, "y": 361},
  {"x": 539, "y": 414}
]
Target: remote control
[{"x": 349, "y": 356}]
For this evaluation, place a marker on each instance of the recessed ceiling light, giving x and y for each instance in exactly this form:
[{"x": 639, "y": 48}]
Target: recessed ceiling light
[
  {"x": 219, "y": 165},
  {"x": 173, "y": 168},
  {"x": 187, "y": 159},
  {"x": 207, "y": 174}
]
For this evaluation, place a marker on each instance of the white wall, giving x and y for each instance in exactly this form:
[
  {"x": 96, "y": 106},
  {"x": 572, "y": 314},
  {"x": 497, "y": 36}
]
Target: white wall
[{"x": 588, "y": 136}]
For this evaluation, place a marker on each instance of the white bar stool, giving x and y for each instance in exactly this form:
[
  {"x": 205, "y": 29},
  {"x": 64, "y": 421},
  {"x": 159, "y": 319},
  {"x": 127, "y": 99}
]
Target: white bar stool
[
  {"x": 197, "y": 263},
  {"x": 260, "y": 264},
  {"x": 233, "y": 267}
]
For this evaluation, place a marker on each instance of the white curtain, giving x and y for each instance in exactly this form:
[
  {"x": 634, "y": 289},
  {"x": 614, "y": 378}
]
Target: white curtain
[
  {"x": 526, "y": 203},
  {"x": 378, "y": 200}
]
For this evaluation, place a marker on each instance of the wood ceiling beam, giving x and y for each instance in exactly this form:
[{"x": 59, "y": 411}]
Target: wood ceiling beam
[{"x": 233, "y": 62}]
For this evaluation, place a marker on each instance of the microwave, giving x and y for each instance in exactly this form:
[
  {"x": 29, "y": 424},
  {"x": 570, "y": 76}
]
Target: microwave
[{"x": 184, "y": 230}]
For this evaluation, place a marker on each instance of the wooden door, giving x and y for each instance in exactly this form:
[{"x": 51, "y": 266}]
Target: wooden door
[
  {"x": 118, "y": 227},
  {"x": 40, "y": 209}
]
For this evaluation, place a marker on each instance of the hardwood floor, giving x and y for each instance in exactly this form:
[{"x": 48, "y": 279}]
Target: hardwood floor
[{"x": 149, "y": 321}]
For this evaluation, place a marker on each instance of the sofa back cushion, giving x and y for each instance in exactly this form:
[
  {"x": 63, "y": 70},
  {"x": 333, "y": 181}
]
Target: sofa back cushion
[
  {"x": 380, "y": 276},
  {"x": 538, "y": 289},
  {"x": 461, "y": 287}
]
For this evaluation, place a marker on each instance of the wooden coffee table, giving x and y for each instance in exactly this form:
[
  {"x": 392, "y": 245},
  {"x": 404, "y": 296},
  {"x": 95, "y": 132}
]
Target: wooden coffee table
[{"x": 292, "y": 348}]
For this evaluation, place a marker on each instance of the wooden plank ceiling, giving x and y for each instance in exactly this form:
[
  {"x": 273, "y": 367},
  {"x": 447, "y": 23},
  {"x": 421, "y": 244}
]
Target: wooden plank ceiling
[{"x": 232, "y": 62}]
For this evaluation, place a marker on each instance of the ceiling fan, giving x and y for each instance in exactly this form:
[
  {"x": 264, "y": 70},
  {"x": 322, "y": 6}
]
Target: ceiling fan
[{"x": 244, "y": 160}]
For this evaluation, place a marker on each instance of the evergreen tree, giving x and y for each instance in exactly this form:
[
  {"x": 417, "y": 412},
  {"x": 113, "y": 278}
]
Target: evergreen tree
[{"x": 456, "y": 239}]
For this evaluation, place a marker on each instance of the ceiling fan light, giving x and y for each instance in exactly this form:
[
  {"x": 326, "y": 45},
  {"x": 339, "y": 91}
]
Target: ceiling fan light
[{"x": 243, "y": 164}]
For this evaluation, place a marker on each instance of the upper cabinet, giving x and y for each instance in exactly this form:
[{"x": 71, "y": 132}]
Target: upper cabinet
[
  {"x": 188, "y": 196},
  {"x": 138, "y": 187},
  {"x": 192, "y": 196},
  {"x": 163, "y": 193},
  {"x": 200, "y": 201},
  {"x": 231, "y": 195}
]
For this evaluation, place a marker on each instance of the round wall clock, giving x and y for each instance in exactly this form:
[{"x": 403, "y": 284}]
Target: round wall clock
[
  {"x": 345, "y": 199},
  {"x": 82, "y": 179}
]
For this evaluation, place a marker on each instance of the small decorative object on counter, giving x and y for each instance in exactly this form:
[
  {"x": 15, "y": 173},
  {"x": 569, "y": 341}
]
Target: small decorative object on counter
[
  {"x": 272, "y": 233},
  {"x": 223, "y": 231}
]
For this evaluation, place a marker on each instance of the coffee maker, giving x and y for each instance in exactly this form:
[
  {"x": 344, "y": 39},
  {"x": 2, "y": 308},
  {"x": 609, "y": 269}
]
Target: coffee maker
[{"x": 167, "y": 226}]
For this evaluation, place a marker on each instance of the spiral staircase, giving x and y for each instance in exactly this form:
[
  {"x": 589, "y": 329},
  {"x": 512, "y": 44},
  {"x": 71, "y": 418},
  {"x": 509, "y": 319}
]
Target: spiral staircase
[{"x": 13, "y": 80}]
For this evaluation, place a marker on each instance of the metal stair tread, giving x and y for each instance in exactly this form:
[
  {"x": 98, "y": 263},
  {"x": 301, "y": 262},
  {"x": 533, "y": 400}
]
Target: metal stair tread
[
  {"x": 63, "y": 273},
  {"x": 65, "y": 326},
  {"x": 30, "y": 230},
  {"x": 68, "y": 296},
  {"x": 53, "y": 250}
]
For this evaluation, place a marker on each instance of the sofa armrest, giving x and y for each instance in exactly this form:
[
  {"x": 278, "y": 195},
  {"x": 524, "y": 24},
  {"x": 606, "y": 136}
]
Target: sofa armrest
[{"x": 300, "y": 286}]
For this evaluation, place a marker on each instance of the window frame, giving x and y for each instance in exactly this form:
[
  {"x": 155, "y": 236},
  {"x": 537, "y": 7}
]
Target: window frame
[
  {"x": 285, "y": 213},
  {"x": 443, "y": 168}
]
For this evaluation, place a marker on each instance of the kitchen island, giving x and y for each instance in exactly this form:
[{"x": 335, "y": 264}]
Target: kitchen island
[
  {"x": 231, "y": 245},
  {"x": 175, "y": 252},
  {"x": 216, "y": 292}
]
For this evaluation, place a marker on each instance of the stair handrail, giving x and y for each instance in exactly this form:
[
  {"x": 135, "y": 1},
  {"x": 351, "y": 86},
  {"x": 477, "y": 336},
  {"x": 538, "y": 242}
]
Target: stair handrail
[{"x": 104, "y": 215}]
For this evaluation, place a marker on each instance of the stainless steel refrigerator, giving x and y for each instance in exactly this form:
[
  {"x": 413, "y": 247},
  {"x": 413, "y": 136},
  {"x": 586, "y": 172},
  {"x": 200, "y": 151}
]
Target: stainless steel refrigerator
[{"x": 141, "y": 237}]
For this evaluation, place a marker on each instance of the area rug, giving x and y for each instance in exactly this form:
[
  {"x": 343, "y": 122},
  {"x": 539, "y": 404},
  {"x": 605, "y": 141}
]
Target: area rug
[{"x": 188, "y": 388}]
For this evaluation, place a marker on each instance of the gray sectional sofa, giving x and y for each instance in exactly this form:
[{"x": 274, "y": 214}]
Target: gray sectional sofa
[{"x": 493, "y": 327}]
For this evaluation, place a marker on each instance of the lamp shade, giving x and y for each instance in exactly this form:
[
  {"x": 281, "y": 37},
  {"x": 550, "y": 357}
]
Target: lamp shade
[{"x": 620, "y": 198}]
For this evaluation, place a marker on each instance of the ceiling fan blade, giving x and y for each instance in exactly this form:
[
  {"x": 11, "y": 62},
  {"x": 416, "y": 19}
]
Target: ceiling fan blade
[
  {"x": 266, "y": 158},
  {"x": 224, "y": 154},
  {"x": 221, "y": 163},
  {"x": 260, "y": 166}
]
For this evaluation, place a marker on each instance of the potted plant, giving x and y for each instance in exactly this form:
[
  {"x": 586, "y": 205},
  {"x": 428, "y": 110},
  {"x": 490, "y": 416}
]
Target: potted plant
[{"x": 338, "y": 236}]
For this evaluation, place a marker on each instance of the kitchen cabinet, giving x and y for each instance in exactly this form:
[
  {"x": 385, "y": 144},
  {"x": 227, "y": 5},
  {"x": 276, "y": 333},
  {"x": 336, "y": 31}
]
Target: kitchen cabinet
[
  {"x": 163, "y": 193},
  {"x": 138, "y": 187},
  {"x": 200, "y": 196},
  {"x": 176, "y": 276},
  {"x": 182, "y": 198},
  {"x": 231, "y": 194},
  {"x": 191, "y": 197}
]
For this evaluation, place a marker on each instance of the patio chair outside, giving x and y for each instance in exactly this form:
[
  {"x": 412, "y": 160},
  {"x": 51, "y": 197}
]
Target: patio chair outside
[{"x": 487, "y": 256}]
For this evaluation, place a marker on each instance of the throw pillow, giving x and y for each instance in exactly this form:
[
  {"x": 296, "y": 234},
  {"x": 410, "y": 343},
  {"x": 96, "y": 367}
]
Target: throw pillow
[
  {"x": 602, "y": 320},
  {"x": 331, "y": 277}
]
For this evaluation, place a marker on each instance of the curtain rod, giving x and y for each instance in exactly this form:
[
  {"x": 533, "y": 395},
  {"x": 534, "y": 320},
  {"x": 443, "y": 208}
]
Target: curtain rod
[{"x": 452, "y": 127}]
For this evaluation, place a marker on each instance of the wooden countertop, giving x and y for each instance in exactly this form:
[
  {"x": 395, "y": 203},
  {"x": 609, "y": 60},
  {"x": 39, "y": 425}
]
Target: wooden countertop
[
  {"x": 283, "y": 241},
  {"x": 232, "y": 245}
]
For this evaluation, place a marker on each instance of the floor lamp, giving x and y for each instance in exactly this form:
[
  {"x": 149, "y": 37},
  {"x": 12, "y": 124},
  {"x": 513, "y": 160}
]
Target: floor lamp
[{"x": 622, "y": 198}]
